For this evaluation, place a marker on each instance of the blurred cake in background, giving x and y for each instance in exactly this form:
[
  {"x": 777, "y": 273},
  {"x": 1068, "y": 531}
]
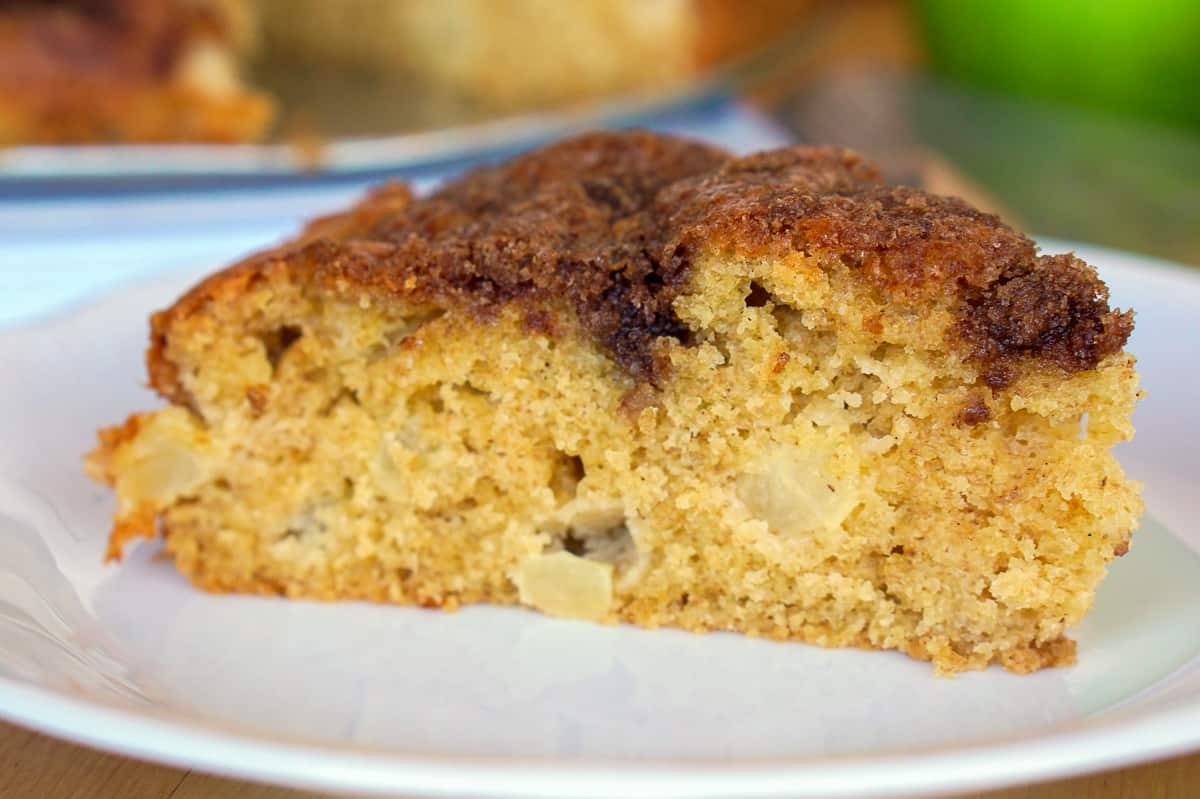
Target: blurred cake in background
[
  {"x": 172, "y": 70},
  {"x": 526, "y": 53},
  {"x": 127, "y": 70}
]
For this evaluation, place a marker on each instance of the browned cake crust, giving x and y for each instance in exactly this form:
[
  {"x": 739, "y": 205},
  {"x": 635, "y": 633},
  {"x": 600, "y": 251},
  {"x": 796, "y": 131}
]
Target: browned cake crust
[
  {"x": 608, "y": 221},
  {"x": 113, "y": 70}
]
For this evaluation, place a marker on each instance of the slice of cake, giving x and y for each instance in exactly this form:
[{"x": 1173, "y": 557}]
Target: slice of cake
[
  {"x": 80, "y": 71},
  {"x": 633, "y": 378},
  {"x": 126, "y": 70}
]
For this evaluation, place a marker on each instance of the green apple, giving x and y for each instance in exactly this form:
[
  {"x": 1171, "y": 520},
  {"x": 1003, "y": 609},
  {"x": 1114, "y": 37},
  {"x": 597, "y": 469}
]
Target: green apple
[{"x": 1140, "y": 58}]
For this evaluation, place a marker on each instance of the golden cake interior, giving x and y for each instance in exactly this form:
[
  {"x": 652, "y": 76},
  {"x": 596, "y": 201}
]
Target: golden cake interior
[{"x": 813, "y": 459}]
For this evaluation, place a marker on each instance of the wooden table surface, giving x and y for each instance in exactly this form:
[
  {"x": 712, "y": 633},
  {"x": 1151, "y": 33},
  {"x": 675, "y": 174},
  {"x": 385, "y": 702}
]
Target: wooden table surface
[{"x": 33, "y": 766}]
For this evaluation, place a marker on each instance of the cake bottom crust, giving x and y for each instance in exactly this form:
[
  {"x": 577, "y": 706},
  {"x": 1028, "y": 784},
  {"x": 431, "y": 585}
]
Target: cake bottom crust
[{"x": 1058, "y": 652}]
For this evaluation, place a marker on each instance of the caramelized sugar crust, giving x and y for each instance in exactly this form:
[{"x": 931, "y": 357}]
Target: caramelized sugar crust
[{"x": 610, "y": 223}]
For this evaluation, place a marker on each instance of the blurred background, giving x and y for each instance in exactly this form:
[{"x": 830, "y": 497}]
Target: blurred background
[{"x": 1078, "y": 119}]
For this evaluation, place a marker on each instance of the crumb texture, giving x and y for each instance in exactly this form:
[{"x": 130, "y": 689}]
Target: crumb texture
[{"x": 629, "y": 378}]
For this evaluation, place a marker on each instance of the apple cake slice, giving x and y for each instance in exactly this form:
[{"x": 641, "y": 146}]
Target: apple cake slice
[
  {"x": 87, "y": 71},
  {"x": 633, "y": 378}
]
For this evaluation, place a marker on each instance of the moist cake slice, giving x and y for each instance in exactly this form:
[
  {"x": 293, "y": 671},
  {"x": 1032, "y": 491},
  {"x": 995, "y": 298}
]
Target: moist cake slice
[
  {"x": 126, "y": 70},
  {"x": 633, "y": 378}
]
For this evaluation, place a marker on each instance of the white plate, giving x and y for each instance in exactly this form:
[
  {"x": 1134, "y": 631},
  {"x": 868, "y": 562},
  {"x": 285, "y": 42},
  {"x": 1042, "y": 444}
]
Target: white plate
[
  {"x": 501, "y": 702},
  {"x": 351, "y": 155}
]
